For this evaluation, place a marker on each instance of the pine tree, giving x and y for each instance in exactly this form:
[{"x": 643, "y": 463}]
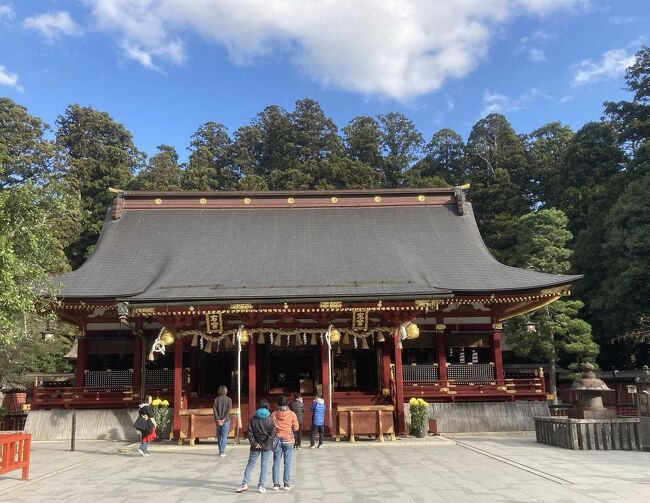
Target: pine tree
[{"x": 555, "y": 331}]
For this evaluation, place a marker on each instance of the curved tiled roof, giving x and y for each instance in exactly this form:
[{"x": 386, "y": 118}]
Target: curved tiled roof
[{"x": 181, "y": 252}]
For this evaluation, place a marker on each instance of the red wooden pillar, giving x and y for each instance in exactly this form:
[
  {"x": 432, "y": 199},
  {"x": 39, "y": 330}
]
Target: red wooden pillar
[
  {"x": 442, "y": 356},
  {"x": 325, "y": 382},
  {"x": 178, "y": 386},
  {"x": 137, "y": 363},
  {"x": 252, "y": 376},
  {"x": 497, "y": 357},
  {"x": 385, "y": 366},
  {"x": 399, "y": 383},
  {"x": 82, "y": 357}
]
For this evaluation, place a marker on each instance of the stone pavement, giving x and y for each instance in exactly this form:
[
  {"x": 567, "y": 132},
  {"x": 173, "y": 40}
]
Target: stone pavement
[{"x": 481, "y": 469}]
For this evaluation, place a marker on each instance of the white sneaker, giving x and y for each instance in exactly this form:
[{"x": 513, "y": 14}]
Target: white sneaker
[
  {"x": 140, "y": 451},
  {"x": 147, "y": 453},
  {"x": 222, "y": 455},
  {"x": 242, "y": 488},
  {"x": 320, "y": 446},
  {"x": 312, "y": 446},
  {"x": 261, "y": 489},
  {"x": 276, "y": 487},
  {"x": 286, "y": 488}
]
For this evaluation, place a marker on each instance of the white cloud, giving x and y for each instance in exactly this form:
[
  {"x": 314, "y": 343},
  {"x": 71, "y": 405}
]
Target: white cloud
[
  {"x": 53, "y": 24},
  {"x": 391, "y": 48},
  {"x": 618, "y": 20},
  {"x": 6, "y": 13},
  {"x": 10, "y": 79},
  {"x": 531, "y": 46},
  {"x": 537, "y": 55},
  {"x": 612, "y": 64},
  {"x": 499, "y": 103}
]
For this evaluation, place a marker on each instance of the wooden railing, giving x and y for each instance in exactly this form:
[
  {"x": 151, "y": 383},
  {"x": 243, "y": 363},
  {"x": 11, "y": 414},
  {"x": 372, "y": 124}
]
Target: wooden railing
[
  {"x": 450, "y": 390},
  {"x": 15, "y": 449},
  {"x": 71, "y": 397}
]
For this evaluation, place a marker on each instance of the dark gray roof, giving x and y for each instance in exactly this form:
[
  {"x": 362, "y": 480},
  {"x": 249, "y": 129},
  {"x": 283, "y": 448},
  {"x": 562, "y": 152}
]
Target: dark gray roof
[{"x": 271, "y": 254}]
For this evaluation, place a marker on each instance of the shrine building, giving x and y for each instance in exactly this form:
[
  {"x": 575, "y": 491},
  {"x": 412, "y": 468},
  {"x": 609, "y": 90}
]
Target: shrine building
[{"x": 368, "y": 297}]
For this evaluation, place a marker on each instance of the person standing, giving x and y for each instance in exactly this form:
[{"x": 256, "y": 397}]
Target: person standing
[
  {"x": 221, "y": 408},
  {"x": 261, "y": 435},
  {"x": 145, "y": 423},
  {"x": 286, "y": 422},
  {"x": 297, "y": 406},
  {"x": 317, "y": 421}
]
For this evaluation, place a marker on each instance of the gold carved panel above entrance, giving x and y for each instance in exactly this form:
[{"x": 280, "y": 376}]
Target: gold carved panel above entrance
[
  {"x": 213, "y": 323},
  {"x": 360, "y": 320}
]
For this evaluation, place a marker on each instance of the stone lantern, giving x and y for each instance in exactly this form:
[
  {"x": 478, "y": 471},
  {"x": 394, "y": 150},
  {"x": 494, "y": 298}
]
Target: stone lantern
[{"x": 590, "y": 396}]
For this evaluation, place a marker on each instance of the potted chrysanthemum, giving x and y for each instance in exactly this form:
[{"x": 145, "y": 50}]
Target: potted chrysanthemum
[
  {"x": 161, "y": 415},
  {"x": 419, "y": 410}
]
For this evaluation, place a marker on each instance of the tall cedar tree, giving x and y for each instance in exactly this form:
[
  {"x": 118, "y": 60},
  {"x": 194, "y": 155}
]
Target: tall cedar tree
[
  {"x": 162, "y": 171},
  {"x": 401, "y": 144},
  {"x": 501, "y": 183},
  {"x": 210, "y": 164},
  {"x": 100, "y": 154}
]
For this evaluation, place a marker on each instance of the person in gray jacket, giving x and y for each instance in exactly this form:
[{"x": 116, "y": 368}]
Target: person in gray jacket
[
  {"x": 221, "y": 408},
  {"x": 298, "y": 408}
]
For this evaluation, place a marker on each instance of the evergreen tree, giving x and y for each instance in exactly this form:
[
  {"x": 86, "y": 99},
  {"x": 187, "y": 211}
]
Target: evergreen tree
[
  {"x": 546, "y": 148},
  {"x": 25, "y": 154},
  {"x": 401, "y": 144},
  {"x": 100, "y": 153},
  {"x": 501, "y": 183},
  {"x": 162, "y": 172},
  {"x": 210, "y": 165},
  {"x": 315, "y": 133},
  {"x": 445, "y": 157},
  {"x": 554, "y": 331},
  {"x": 362, "y": 139}
]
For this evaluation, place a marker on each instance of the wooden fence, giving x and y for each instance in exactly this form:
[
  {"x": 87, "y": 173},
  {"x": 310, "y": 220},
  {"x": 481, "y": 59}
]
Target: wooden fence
[{"x": 589, "y": 434}]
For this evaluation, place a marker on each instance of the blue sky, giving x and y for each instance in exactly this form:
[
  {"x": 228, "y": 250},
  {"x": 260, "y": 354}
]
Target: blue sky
[{"x": 163, "y": 67}]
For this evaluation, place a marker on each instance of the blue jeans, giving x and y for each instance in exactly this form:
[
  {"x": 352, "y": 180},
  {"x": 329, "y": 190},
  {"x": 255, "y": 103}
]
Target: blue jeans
[
  {"x": 252, "y": 459},
  {"x": 144, "y": 447},
  {"x": 284, "y": 450},
  {"x": 222, "y": 436}
]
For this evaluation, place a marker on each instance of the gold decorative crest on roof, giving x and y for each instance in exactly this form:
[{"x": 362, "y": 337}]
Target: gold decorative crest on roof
[
  {"x": 241, "y": 307},
  {"x": 331, "y": 305},
  {"x": 426, "y": 304}
]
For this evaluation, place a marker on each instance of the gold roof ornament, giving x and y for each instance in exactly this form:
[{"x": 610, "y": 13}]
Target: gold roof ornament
[{"x": 244, "y": 335}]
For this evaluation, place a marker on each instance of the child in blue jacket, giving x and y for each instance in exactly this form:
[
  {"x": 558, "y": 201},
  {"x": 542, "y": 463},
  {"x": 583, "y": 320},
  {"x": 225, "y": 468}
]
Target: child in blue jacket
[{"x": 317, "y": 421}]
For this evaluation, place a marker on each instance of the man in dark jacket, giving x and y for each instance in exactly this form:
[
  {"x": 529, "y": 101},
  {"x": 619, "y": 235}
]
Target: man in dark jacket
[
  {"x": 261, "y": 435},
  {"x": 298, "y": 408},
  {"x": 221, "y": 408}
]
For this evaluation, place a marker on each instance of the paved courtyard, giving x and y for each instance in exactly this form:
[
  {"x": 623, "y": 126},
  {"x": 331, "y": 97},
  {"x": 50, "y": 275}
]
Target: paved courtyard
[{"x": 482, "y": 469}]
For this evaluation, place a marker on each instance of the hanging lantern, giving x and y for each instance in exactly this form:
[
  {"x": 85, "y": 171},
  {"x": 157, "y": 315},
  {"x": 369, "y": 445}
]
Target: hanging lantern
[
  {"x": 260, "y": 338},
  {"x": 380, "y": 337},
  {"x": 412, "y": 331},
  {"x": 335, "y": 335},
  {"x": 167, "y": 337},
  {"x": 244, "y": 335}
]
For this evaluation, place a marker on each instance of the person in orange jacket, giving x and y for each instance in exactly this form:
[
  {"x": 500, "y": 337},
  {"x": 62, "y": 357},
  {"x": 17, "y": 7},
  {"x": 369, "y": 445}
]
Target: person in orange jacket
[{"x": 286, "y": 423}]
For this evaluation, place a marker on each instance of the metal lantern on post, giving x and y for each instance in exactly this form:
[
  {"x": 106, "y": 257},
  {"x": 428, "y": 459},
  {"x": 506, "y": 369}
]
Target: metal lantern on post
[
  {"x": 412, "y": 331},
  {"x": 244, "y": 335},
  {"x": 167, "y": 337},
  {"x": 335, "y": 335}
]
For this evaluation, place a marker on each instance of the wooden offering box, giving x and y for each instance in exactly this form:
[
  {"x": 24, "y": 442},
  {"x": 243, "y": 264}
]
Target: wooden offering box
[
  {"x": 375, "y": 420},
  {"x": 200, "y": 423}
]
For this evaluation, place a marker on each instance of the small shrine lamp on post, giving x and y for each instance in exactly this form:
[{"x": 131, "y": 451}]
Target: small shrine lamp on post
[{"x": 533, "y": 327}]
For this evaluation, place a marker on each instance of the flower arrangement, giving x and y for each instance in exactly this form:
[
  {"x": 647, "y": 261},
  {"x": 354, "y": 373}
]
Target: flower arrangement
[
  {"x": 419, "y": 415},
  {"x": 161, "y": 414}
]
